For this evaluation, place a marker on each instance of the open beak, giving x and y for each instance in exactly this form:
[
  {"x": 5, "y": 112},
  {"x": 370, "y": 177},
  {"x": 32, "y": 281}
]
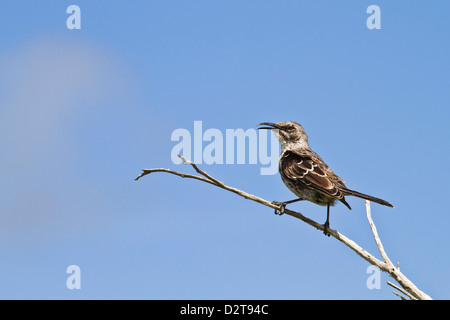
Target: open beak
[{"x": 269, "y": 124}]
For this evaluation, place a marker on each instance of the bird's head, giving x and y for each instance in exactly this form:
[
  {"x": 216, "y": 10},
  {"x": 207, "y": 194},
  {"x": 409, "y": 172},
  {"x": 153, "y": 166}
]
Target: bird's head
[{"x": 290, "y": 133}]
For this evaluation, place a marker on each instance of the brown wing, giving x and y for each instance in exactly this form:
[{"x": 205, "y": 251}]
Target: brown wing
[{"x": 310, "y": 172}]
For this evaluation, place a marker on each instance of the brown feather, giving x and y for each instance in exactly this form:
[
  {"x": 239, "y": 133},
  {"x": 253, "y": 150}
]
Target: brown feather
[{"x": 304, "y": 170}]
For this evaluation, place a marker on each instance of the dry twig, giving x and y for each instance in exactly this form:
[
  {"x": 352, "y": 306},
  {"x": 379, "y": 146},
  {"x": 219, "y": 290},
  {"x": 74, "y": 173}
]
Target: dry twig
[{"x": 386, "y": 265}]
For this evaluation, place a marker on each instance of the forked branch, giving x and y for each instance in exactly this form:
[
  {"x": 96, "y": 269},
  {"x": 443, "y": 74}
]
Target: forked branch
[{"x": 386, "y": 265}]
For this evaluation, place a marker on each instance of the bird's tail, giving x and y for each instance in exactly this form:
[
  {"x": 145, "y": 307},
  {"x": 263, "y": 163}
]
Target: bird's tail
[{"x": 367, "y": 197}]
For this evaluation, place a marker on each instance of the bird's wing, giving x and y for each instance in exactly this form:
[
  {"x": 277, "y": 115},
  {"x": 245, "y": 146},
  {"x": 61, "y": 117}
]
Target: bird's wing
[{"x": 312, "y": 173}]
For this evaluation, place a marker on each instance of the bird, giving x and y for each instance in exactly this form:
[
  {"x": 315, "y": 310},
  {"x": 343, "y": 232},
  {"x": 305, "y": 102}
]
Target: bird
[{"x": 305, "y": 173}]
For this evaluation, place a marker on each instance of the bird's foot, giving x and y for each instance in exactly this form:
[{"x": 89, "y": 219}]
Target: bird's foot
[
  {"x": 326, "y": 228},
  {"x": 282, "y": 206}
]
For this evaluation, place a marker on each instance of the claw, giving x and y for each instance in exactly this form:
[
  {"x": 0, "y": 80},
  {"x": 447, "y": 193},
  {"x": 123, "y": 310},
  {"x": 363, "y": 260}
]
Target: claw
[{"x": 282, "y": 206}]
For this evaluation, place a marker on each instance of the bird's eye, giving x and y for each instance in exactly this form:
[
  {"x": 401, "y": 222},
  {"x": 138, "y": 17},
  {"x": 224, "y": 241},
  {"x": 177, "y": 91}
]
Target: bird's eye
[{"x": 290, "y": 128}]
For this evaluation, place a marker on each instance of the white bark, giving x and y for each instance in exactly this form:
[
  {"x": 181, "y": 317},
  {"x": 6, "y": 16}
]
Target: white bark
[{"x": 385, "y": 264}]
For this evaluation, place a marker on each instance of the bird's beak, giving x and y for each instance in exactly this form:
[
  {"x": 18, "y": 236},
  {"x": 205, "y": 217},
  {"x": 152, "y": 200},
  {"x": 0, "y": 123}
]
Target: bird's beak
[{"x": 271, "y": 125}]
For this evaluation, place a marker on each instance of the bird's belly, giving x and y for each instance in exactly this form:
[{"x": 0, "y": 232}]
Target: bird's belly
[{"x": 305, "y": 193}]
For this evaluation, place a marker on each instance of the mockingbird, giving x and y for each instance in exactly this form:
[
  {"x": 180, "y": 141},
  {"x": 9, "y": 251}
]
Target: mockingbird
[{"x": 306, "y": 174}]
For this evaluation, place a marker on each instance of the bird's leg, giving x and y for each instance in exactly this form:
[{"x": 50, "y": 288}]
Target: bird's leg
[
  {"x": 282, "y": 205},
  {"x": 326, "y": 226}
]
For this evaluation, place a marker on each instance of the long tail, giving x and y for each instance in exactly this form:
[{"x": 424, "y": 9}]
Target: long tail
[{"x": 367, "y": 197}]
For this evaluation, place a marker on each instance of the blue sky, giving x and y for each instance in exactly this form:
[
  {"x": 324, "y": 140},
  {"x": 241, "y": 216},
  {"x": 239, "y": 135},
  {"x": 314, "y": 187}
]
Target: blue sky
[{"x": 82, "y": 111}]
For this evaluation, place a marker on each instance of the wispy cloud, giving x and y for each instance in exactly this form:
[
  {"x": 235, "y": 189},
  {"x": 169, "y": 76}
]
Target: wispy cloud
[{"x": 46, "y": 86}]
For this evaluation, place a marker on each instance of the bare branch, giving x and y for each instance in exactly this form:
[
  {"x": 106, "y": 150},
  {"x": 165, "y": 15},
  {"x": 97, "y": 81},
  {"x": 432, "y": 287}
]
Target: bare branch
[
  {"x": 402, "y": 291},
  {"x": 183, "y": 175},
  {"x": 389, "y": 267},
  {"x": 203, "y": 173},
  {"x": 386, "y": 259},
  {"x": 398, "y": 294},
  {"x": 386, "y": 265}
]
